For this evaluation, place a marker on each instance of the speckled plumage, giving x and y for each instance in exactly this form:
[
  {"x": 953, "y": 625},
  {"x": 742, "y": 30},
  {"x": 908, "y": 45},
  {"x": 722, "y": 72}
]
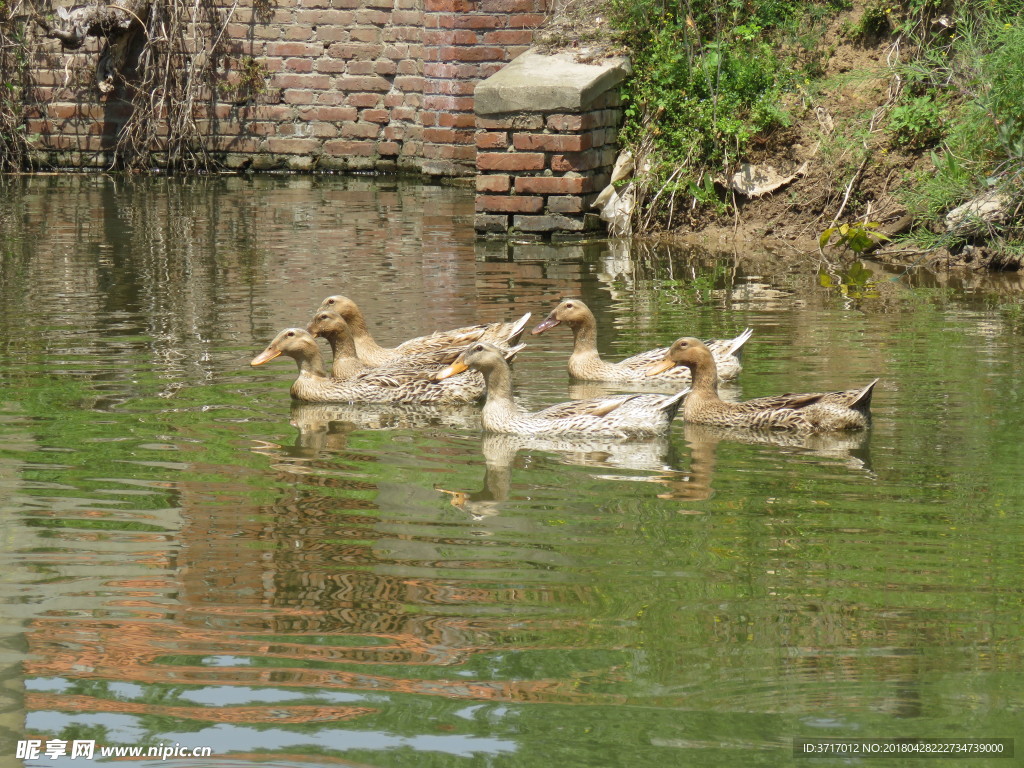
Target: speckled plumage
[
  {"x": 372, "y": 354},
  {"x": 389, "y": 385},
  {"x": 620, "y": 416},
  {"x": 585, "y": 362},
  {"x": 809, "y": 412}
]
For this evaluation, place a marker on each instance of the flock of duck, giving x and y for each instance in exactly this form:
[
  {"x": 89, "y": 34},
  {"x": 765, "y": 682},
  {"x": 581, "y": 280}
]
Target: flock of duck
[{"x": 466, "y": 364}]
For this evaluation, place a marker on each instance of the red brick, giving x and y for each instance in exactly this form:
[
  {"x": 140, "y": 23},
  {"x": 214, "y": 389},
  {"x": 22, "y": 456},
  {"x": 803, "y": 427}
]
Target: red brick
[
  {"x": 388, "y": 148},
  {"x": 551, "y": 142},
  {"x": 343, "y": 148},
  {"x": 565, "y": 123},
  {"x": 566, "y": 204},
  {"x": 528, "y": 20},
  {"x": 360, "y": 130},
  {"x": 298, "y": 32},
  {"x": 365, "y": 34},
  {"x": 491, "y": 140},
  {"x": 576, "y": 161},
  {"x": 448, "y": 103},
  {"x": 375, "y": 115},
  {"x": 328, "y": 114},
  {"x": 552, "y": 185},
  {"x": 298, "y": 65},
  {"x": 355, "y": 50},
  {"x": 509, "y": 203},
  {"x": 510, "y": 161},
  {"x": 509, "y": 37},
  {"x": 510, "y": 6},
  {"x": 292, "y": 146},
  {"x": 363, "y": 83},
  {"x": 495, "y": 183},
  {"x": 294, "y": 49},
  {"x": 363, "y": 100},
  {"x": 447, "y": 136},
  {"x": 375, "y": 17},
  {"x": 517, "y": 122},
  {"x": 456, "y": 119},
  {"x": 471, "y": 53},
  {"x": 449, "y": 6}
]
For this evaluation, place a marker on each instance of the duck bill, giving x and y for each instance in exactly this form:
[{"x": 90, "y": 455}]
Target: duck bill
[
  {"x": 455, "y": 368},
  {"x": 660, "y": 367},
  {"x": 545, "y": 325},
  {"x": 265, "y": 356}
]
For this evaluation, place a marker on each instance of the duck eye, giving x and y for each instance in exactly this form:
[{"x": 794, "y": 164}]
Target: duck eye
[
  {"x": 569, "y": 305},
  {"x": 291, "y": 333}
]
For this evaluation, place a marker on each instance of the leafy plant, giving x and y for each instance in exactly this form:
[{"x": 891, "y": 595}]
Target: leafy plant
[
  {"x": 916, "y": 124},
  {"x": 859, "y": 238}
]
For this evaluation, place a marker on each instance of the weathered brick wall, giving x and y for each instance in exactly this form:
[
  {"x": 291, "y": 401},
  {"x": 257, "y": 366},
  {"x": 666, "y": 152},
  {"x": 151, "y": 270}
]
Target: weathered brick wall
[
  {"x": 350, "y": 85},
  {"x": 539, "y": 173}
]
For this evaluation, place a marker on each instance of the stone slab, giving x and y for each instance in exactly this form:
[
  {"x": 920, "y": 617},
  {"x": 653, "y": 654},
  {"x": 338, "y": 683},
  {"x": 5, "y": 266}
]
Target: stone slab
[{"x": 536, "y": 82}]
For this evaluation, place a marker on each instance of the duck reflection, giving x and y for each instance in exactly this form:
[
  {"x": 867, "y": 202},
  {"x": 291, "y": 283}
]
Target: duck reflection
[
  {"x": 504, "y": 452},
  {"x": 849, "y": 449},
  {"x": 324, "y": 430}
]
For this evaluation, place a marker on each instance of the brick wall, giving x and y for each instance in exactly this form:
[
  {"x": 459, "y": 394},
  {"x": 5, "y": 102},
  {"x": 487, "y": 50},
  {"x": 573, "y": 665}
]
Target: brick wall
[
  {"x": 539, "y": 173},
  {"x": 351, "y": 85}
]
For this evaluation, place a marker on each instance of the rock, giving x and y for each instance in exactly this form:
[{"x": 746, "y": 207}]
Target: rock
[
  {"x": 757, "y": 180},
  {"x": 978, "y": 215}
]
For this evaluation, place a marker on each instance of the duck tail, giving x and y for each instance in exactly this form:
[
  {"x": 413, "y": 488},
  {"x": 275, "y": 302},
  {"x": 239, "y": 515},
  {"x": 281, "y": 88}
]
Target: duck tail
[
  {"x": 862, "y": 401},
  {"x": 511, "y": 352},
  {"x": 737, "y": 344},
  {"x": 517, "y": 329},
  {"x": 672, "y": 402}
]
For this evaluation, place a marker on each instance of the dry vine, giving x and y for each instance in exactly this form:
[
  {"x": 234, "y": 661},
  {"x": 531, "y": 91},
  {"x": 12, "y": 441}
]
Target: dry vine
[
  {"x": 176, "y": 79},
  {"x": 163, "y": 75},
  {"x": 18, "y": 48}
]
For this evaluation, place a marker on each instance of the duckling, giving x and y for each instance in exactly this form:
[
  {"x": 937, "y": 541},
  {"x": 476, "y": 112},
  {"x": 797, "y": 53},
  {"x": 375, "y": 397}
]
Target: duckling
[
  {"x": 621, "y": 416},
  {"x": 813, "y": 412},
  {"x": 586, "y": 364}
]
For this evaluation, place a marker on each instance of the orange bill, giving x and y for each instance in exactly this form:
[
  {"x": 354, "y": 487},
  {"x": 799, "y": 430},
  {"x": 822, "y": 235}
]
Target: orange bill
[
  {"x": 660, "y": 367},
  {"x": 455, "y": 368},
  {"x": 265, "y": 356}
]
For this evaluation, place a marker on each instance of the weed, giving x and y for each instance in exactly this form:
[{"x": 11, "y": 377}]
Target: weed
[
  {"x": 917, "y": 124},
  {"x": 859, "y": 238}
]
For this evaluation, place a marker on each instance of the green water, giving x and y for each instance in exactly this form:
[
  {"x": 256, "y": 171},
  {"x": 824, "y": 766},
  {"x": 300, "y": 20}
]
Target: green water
[{"x": 188, "y": 559}]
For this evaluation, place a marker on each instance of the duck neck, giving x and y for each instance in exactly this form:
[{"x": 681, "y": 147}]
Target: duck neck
[
  {"x": 499, "y": 404},
  {"x": 365, "y": 346},
  {"x": 346, "y": 363},
  {"x": 311, "y": 363},
  {"x": 584, "y": 338},
  {"x": 705, "y": 379}
]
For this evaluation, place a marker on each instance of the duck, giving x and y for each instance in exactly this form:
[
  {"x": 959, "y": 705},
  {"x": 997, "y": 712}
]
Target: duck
[
  {"x": 347, "y": 363},
  {"x": 810, "y": 412},
  {"x": 585, "y": 363},
  {"x": 620, "y": 416},
  {"x": 372, "y": 354},
  {"x": 313, "y": 385}
]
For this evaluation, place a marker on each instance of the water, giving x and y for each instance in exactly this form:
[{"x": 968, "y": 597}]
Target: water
[{"x": 190, "y": 560}]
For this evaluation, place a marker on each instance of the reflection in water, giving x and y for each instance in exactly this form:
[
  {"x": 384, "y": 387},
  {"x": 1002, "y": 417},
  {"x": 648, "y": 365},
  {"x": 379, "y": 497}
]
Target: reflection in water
[
  {"x": 500, "y": 453},
  {"x": 188, "y": 558}
]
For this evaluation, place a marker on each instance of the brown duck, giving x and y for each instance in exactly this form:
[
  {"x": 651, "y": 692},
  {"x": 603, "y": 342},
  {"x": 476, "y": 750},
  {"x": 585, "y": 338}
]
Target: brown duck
[
  {"x": 372, "y": 354},
  {"x": 620, "y": 416},
  {"x": 314, "y": 385},
  {"x": 813, "y": 412},
  {"x": 586, "y": 364}
]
